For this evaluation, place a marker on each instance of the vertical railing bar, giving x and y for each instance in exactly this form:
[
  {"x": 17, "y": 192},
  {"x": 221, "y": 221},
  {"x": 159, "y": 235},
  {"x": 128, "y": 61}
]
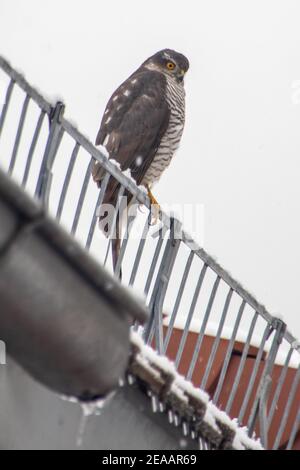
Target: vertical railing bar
[
  {"x": 107, "y": 251},
  {"x": 19, "y": 134},
  {"x": 58, "y": 142},
  {"x": 263, "y": 411},
  {"x": 254, "y": 373},
  {"x": 139, "y": 253},
  {"x": 294, "y": 432},
  {"x": 202, "y": 329},
  {"x": 150, "y": 328},
  {"x": 33, "y": 146},
  {"x": 162, "y": 280},
  {"x": 279, "y": 386},
  {"x": 229, "y": 352},
  {"x": 6, "y": 104},
  {"x": 130, "y": 220},
  {"x": 287, "y": 409},
  {"x": 153, "y": 263},
  {"x": 54, "y": 139},
  {"x": 190, "y": 315},
  {"x": 159, "y": 273},
  {"x": 217, "y": 340},
  {"x": 111, "y": 234},
  {"x": 178, "y": 300},
  {"x": 263, "y": 388},
  {"x": 104, "y": 184},
  {"x": 158, "y": 305},
  {"x": 46, "y": 187},
  {"x": 242, "y": 364},
  {"x": 67, "y": 180},
  {"x": 83, "y": 191}
]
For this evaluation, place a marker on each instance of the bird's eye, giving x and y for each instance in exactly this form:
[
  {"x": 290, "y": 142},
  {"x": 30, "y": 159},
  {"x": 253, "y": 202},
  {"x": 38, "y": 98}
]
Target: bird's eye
[{"x": 170, "y": 65}]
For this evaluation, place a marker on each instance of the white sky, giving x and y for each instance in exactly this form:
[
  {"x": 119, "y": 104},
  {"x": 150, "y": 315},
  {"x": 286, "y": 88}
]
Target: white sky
[{"x": 241, "y": 147}]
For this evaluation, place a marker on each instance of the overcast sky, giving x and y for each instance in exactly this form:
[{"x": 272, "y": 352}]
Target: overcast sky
[{"x": 240, "y": 152}]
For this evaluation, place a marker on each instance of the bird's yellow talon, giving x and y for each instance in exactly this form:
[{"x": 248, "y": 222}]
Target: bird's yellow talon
[{"x": 155, "y": 207}]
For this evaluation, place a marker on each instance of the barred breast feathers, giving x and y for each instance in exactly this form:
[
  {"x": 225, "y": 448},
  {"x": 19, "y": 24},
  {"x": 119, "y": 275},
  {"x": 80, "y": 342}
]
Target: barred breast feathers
[{"x": 175, "y": 96}]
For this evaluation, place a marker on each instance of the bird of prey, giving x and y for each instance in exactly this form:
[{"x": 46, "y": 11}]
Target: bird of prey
[{"x": 142, "y": 125}]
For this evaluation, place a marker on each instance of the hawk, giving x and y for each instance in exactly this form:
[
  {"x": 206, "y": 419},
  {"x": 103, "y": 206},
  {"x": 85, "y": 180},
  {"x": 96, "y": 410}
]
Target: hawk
[{"x": 143, "y": 123}]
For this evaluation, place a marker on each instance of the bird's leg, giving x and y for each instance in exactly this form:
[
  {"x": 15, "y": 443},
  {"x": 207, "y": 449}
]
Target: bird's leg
[{"x": 155, "y": 207}]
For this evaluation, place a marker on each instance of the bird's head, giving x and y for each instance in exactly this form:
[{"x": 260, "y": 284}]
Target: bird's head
[{"x": 169, "y": 62}]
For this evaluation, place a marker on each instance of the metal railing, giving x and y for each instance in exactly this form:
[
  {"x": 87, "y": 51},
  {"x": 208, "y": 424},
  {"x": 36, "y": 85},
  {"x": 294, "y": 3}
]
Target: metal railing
[{"x": 187, "y": 291}]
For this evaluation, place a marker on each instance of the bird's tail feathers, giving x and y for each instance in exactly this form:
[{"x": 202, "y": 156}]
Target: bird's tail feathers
[{"x": 109, "y": 221}]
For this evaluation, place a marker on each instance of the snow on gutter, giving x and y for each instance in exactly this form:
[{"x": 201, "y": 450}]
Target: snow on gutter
[{"x": 186, "y": 406}]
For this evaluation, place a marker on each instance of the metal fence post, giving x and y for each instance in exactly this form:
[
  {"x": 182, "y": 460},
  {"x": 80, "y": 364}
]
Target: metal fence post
[
  {"x": 54, "y": 138},
  {"x": 156, "y": 303},
  {"x": 260, "y": 403}
]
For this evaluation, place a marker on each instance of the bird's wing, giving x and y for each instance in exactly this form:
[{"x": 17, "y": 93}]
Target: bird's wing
[{"x": 134, "y": 122}]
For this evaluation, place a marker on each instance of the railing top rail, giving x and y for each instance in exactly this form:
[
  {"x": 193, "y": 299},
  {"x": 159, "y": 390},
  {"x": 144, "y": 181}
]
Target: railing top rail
[{"x": 18, "y": 78}]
